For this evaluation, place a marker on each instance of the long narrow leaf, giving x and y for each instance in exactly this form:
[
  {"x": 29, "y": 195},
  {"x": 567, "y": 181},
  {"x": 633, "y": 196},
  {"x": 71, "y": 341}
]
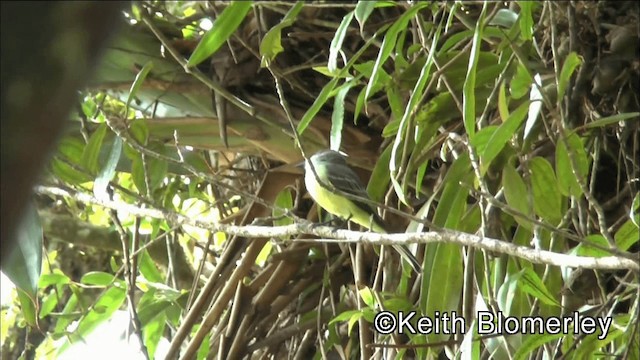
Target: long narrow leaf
[
  {"x": 469, "y": 88},
  {"x": 223, "y": 27}
]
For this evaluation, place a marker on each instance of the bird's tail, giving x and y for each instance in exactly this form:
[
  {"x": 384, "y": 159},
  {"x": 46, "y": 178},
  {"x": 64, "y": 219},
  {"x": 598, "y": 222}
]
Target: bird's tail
[{"x": 408, "y": 256}]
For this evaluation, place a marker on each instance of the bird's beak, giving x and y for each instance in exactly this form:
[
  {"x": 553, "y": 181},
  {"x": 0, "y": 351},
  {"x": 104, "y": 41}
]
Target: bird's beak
[{"x": 300, "y": 164}]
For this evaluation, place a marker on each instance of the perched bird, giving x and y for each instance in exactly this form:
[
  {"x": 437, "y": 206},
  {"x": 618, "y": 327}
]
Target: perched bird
[{"x": 333, "y": 171}]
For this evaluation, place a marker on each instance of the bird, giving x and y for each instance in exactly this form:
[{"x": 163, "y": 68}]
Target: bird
[{"x": 332, "y": 170}]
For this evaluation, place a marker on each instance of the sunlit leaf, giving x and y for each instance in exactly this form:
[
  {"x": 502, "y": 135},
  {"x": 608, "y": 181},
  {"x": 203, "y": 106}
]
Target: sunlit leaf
[
  {"x": 570, "y": 64},
  {"x": 336, "y": 42},
  {"x": 223, "y": 27},
  {"x": 468, "y": 92},
  {"x": 271, "y": 44}
]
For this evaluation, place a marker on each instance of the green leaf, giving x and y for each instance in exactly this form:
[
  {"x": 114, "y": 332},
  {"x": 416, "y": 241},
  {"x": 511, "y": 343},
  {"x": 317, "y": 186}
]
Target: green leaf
[
  {"x": 379, "y": 180},
  {"x": 103, "y": 309},
  {"x": 92, "y": 149},
  {"x": 614, "y": 119},
  {"x": 24, "y": 263},
  {"x": 223, "y": 27},
  {"x": 570, "y": 64},
  {"x": 48, "y": 304},
  {"x": 520, "y": 83},
  {"x": 28, "y": 307},
  {"x": 515, "y": 191},
  {"x": 271, "y": 44},
  {"x": 526, "y": 19},
  {"x": 336, "y": 42},
  {"x": 567, "y": 181},
  {"x": 468, "y": 92},
  {"x": 584, "y": 249},
  {"x": 627, "y": 235},
  {"x": 138, "y": 82},
  {"x": 546, "y": 196},
  {"x": 481, "y": 140},
  {"x": 505, "y": 18},
  {"x": 389, "y": 43},
  {"x": 534, "y": 341},
  {"x": 503, "y": 107},
  {"x": 367, "y": 296},
  {"x": 503, "y": 134},
  {"x": 337, "y": 118},
  {"x": 108, "y": 171},
  {"x": 70, "y": 149},
  {"x": 317, "y": 105},
  {"x": 98, "y": 278},
  {"x": 363, "y": 10},
  {"x": 53, "y": 279},
  {"x": 148, "y": 268},
  {"x": 531, "y": 284},
  {"x": 284, "y": 200}
]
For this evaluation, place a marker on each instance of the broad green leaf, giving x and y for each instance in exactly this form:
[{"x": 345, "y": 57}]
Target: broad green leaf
[
  {"x": 503, "y": 134},
  {"x": 468, "y": 92},
  {"x": 271, "y": 44},
  {"x": 138, "y": 82},
  {"x": 379, "y": 180},
  {"x": 153, "y": 332},
  {"x": 567, "y": 181},
  {"x": 24, "y": 263},
  {"x": 570, "y": 64},
  {"x": 148, "y": 268},
  {"x": 336, "y": 42},
  {"x": 56, "y": 278},
  {"x": 103, "y": 309},
  {"x": 367, "y": 296},
  {"x": 223, "y": 27},
  {"x": 481, "y": 140},
  {"x": 515, "y": 191},
  {"x": 544, "y": 186},
  {"x": 71, "y": 150},
  {"x": 92, "y": 149},
  {"x": 627, "y": 235},
  {"x": 98, "y": 278},
  {"x": 584, "y": 249},
  {"x": 531, "y": 284},
  {"x": 48, "y": 304},
  {"x": 526, "y": 19},
  {"x": 284, "y": 200},
  {"x": 520, "y": 84},
  {"x": 28, "y": 308}
]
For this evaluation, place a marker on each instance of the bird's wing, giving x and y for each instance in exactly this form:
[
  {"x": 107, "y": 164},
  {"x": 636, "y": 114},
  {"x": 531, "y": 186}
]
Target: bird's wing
[{"x": 342, "y": 177}]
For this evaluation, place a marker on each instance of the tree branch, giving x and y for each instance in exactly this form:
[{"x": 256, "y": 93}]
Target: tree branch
[{"x": 328, "y": 234}]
